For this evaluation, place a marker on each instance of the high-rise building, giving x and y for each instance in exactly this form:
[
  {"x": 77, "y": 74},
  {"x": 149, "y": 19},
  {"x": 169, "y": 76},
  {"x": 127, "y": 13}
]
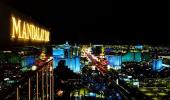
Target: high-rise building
[{"x": 69, "y": 54}]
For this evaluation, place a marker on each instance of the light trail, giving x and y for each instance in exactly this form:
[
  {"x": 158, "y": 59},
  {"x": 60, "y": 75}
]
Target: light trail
[{"x": 95, "y": 62}]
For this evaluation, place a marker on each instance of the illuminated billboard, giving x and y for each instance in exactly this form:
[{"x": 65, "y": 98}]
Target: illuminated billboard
[
  {"x": 23, "y": 30},
  {"x": 17, "y": 29}
]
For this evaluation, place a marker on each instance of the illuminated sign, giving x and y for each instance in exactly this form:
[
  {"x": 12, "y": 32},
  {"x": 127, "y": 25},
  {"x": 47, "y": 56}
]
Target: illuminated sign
[{"x": 27, "y": 31}]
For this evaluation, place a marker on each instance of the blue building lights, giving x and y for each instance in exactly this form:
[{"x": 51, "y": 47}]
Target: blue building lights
[
  {"x": 139, "y": 46},
  {"x": 64, "y": 53},
  {"x": 71, "y": 64},
  {"x": 77, "y": 69},
  {"x": 138, "y": 57},
  {"x": 157, "y": 65},
  {"x": 129, "y": 57},
  {"x": 27, "y": 61},
  {"x": 59, "y": 53},
  {"x": 114, "y": 60},
  {"x": 132, "y": 57},
  {"x": 74, "y": 64}
]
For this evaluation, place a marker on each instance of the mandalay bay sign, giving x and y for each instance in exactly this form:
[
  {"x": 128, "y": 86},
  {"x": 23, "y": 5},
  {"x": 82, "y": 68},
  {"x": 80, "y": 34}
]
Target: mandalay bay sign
[{"x": 26, "y": 31}]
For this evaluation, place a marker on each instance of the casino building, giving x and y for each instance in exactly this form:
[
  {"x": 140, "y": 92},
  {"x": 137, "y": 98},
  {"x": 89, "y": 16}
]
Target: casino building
[{"x": 69, "y": 54}]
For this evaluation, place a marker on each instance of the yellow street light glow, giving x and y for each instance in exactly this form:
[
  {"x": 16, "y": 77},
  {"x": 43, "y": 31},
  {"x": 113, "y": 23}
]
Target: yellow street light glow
[
  {"x": 155, "y": 98},
  {"x": 149, "y": 94},
  {"x": 162, "y": 94},
  {"x": 23, "y": 30}
]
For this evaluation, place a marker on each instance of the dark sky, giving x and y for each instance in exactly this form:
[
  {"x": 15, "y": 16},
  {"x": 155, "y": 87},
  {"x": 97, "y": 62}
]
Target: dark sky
[{"x": 98, "y": 22}]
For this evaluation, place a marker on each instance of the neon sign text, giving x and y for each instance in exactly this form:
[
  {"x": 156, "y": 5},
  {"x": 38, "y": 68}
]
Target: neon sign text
[{"x": 23, "y": 30}]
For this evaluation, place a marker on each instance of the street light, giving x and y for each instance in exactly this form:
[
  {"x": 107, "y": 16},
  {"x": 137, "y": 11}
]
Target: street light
[{"x": 34, "y": 68}]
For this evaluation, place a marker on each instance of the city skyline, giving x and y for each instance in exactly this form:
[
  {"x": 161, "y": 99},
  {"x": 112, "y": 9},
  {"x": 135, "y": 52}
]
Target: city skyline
[{"x": 83, "y": 50}]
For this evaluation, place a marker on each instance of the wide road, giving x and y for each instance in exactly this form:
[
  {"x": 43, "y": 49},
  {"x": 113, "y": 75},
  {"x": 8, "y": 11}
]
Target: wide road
[{"x": 118, "y": 91}]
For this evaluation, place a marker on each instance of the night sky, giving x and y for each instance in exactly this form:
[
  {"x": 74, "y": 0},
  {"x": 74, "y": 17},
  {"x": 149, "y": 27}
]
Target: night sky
[{"x": 99, "y": 22}]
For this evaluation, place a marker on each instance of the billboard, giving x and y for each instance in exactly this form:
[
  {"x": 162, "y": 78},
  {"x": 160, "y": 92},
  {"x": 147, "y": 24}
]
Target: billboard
[
  {"x": 27, "y": 31},
  {"x": 18, "y": 29}
]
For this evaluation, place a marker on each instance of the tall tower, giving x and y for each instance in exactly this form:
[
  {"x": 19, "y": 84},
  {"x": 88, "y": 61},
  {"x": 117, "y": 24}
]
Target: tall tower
[{"x": 67, "y": 50}]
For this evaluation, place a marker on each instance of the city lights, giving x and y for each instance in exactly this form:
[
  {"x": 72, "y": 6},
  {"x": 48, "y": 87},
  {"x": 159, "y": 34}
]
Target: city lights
[
  {"x": 34, "y": 68},
  {"x": 66, "y": 52},
  {"x": 23, "y": 30},
  {"x": 60, "y": 93}
]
